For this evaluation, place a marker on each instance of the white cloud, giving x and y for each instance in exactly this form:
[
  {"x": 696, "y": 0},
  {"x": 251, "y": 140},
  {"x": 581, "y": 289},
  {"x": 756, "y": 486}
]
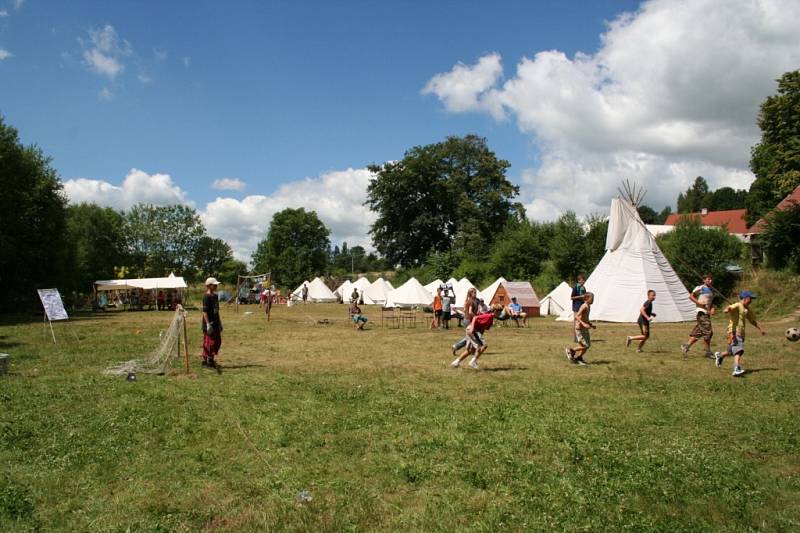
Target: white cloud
[
  {"x": 337, "y": 197},
  {"x": 144, "y": 77},
  {"x": 672, "y": 93},
  {"x": 104, "y": 51},
  {"x": 159, "y": 53},
  {"x": 5, "y": 54},
  {"x": 187, "y": 61},
  {"x": 137, "y": 187},
  {"x": 229, "y": 184},
  {"x": 105, "y": 94},
  {"x": 18, "y": 4},
  {"x": 3, "y": 13}
]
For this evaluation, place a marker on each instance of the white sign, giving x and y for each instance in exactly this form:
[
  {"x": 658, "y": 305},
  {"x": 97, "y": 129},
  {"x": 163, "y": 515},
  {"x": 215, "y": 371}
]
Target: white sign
[{"x": 53, "y": 306}]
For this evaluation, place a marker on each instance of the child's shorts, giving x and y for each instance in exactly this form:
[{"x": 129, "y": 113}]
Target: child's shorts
[
  {"x": 359, "y": 318},
  {"x": 583, "y": 338},
  {"x": 735, "y": 345}
]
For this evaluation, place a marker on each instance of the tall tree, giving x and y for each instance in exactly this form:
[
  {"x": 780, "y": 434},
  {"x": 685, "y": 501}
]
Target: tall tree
[
  {"x": 97, "y": 240},
  {"x": 726, "y": 198},
  {"x": 776, "y": 158},
  {"x": 568, "y": 246},
  {"x": 779, "y": 239},
  {"x": 32, "y": 221},
  {"x": 162, "y": 239},
  {"x": 695, "y": 197},
  {"x": 521, "y": 250},
  {"x": 295, "y": 247},
  {"x": 211, "y": 255},
  {"x": 452, "y": 194}
]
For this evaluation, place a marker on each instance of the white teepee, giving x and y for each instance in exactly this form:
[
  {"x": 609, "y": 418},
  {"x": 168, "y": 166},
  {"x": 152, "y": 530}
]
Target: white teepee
[
  {"x": 409, "y": 294},
  {"x": 433, "y": 285},
  {"x": 461, "y": 289},
  {"x": 344, "y": 291},
  {"x": 557, "y": 301},
  {"x": 318, "y": 292},
  {"x": 362, "y": 284},
  {"x": 632, "y": 265}
]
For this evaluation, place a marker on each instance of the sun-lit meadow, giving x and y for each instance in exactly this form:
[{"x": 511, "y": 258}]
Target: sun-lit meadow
[{"x": 384, "y": 435}]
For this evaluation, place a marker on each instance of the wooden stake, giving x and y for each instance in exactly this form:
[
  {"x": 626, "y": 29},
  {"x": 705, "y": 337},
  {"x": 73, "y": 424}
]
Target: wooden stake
[{"x": 186, "y": 344}]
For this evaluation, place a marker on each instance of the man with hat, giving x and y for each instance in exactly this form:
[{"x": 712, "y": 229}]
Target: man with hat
[
  {"x": 516, "y": 313},
  {"x": 212, "y": 325},
  {"x": 739, "y": 314}
]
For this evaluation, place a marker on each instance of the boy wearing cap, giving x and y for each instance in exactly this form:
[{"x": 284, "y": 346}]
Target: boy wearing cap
[
  {"x": 212, "y": 325},
  {"x": 739, "y": 314}
]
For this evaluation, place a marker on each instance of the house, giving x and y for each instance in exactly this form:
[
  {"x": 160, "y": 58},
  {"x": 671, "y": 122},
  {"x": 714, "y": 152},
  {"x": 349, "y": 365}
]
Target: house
[
  {"x": 522, "y": 291},
  {"x": 733, "y": 220},
  {"x": 791, "y": 199}
]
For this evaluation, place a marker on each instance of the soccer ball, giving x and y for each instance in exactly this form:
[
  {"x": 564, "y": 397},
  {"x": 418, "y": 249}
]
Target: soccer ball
[{"x": 793, "y": 334}]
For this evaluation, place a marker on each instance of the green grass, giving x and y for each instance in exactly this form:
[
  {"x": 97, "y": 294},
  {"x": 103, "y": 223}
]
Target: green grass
[{"x": 385, "y": 436}]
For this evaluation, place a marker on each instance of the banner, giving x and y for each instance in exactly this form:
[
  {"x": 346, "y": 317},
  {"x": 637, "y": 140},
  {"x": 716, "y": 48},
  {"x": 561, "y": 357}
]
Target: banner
[{"x": 53, "y": 306}]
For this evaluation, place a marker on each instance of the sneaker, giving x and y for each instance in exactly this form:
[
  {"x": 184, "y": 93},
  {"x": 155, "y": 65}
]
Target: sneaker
[
  {"x": 473, "y": 364},
  {"x": 205, "y": 362},
  {"x": 684, "y": 349},
  {"x": 570, "y": 354},
  {"x": 639, "y": 350},
  {"x": 718, "y": 359},
  {"x": 709, "y": 355},
  {"x": 455, "y": 363},
  {"x": 738, "y": 371},
  {"x": 454, "y": 350},
  {"x": 580, "y": 361}
]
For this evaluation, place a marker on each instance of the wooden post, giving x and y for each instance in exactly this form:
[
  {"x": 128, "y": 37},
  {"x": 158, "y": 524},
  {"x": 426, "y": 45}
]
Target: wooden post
[{"x": 185, "y": 343}]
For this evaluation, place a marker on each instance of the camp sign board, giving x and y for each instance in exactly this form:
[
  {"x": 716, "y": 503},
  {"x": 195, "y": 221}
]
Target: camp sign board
[{"x": 53, "y": 306}]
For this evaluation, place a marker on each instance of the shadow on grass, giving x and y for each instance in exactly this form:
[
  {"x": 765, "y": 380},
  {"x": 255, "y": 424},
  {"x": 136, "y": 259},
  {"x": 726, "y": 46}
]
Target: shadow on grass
[
  {"x": 504, "y": 368},
  {"x": 599, "y": 362},
  {"x": 238, "y": 367},
  {"x": 756, "y": 370}
]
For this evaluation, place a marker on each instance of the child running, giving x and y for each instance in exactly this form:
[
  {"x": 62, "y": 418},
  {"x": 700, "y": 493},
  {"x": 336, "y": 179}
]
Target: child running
[
  {"x": 646, "y": 315},
  {"x": 582, "y": 326},
  {"x": 703, "y": 297},
  {"x": 739, "y": 314},
  {"x": 475, "y": 330}
]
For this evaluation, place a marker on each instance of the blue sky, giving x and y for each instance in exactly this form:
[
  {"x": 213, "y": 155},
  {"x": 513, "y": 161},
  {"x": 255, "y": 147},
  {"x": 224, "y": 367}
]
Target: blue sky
[{"x": 292, "y": 98}]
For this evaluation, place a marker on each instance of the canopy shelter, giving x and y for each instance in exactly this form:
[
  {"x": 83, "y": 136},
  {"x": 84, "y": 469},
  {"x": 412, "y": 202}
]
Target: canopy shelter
[
  {"x": 557, "y": 301},
  {"x": 522, "y": 291},
  {"x": 488, "y": 292},
  {"x": 140, "y": 292},
  {"x": 632, "y": 265},
  {"x": 409, "y": 294},
  {"x": 318, "y": 292},
  {"x": 378, "y": 291}
]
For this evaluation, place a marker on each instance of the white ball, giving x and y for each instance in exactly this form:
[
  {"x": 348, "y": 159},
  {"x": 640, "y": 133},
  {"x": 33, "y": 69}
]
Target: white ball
[{"x": 793, "y": 334}]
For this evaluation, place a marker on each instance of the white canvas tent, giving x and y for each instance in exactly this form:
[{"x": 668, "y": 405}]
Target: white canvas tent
[
  {"x": 318, "y": 292},
  {"x": 344, "y": 290},
  {"x": 297, "y": 294},
  {"x": 409, "y": 294},
  {"x": 378, "y": 291},
  {"x": 433, "y": 285},
  {"x": 633, "y": 263},
  {"x": 362, "y": 284},
  {"x": 488, "y": 292},
  {"x": 461, "y": 288},
  {"x": 557, "y": 301}
]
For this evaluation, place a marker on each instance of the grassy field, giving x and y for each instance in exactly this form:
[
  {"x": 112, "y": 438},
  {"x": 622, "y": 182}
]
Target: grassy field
[{"x": 383, "y": 435}]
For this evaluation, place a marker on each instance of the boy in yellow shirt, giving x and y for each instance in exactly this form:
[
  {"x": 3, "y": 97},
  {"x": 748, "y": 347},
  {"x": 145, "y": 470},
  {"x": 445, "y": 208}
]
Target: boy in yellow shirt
[{"x": 739, "y": 314}]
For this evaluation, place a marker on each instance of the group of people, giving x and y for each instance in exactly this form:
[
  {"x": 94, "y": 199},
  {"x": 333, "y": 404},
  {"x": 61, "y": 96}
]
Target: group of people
[{"x": 479, "y": 318}]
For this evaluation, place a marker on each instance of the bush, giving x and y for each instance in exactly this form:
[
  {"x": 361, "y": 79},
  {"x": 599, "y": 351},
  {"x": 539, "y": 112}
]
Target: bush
[
  {"x": 694, "y": 251},
  {"x": 780, "y": 239}
]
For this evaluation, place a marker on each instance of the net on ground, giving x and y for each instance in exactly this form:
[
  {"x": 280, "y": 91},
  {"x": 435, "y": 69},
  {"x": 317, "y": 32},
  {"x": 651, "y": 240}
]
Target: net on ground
[{"x": 162, "y": 357}]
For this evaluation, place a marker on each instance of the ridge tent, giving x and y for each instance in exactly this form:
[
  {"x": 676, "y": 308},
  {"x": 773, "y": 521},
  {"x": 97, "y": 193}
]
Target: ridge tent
[
  {"x": 522, "y": 291},
  {"x": 557, "y": 300},
  {"x": 378, "y": 291},
  {"x": 409, "y": 294},
  {"x": 488, "y": 292},
  {"x": 632, "y": 265}
]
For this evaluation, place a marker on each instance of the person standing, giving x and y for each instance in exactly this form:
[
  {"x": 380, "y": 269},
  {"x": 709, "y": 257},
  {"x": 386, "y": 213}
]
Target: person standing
[
  {"x": 267, "y": 295},
  {"x": 703, "y": 297},
  {"x": 646, "y": 315},
  {"x": 577, "y": 293},
  {"x": 304, "y": 292},
  {"x": 582, "y": 326},
  {"x": 437, "y": 309},
  {"x": 212, "y": 324},
  {"x": 447, "y": 300},
  {"x": 738, "y": 314}
]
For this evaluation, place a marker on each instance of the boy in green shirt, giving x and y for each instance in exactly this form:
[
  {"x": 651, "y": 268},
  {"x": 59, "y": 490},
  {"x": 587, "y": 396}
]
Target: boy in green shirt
[{"x": 739, "y": 314}]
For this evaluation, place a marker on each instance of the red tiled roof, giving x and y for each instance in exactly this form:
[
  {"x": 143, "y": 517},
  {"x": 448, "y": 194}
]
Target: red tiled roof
[
  {"x": 791, "y": 199},
  {"x": 732, "y": 218}
]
